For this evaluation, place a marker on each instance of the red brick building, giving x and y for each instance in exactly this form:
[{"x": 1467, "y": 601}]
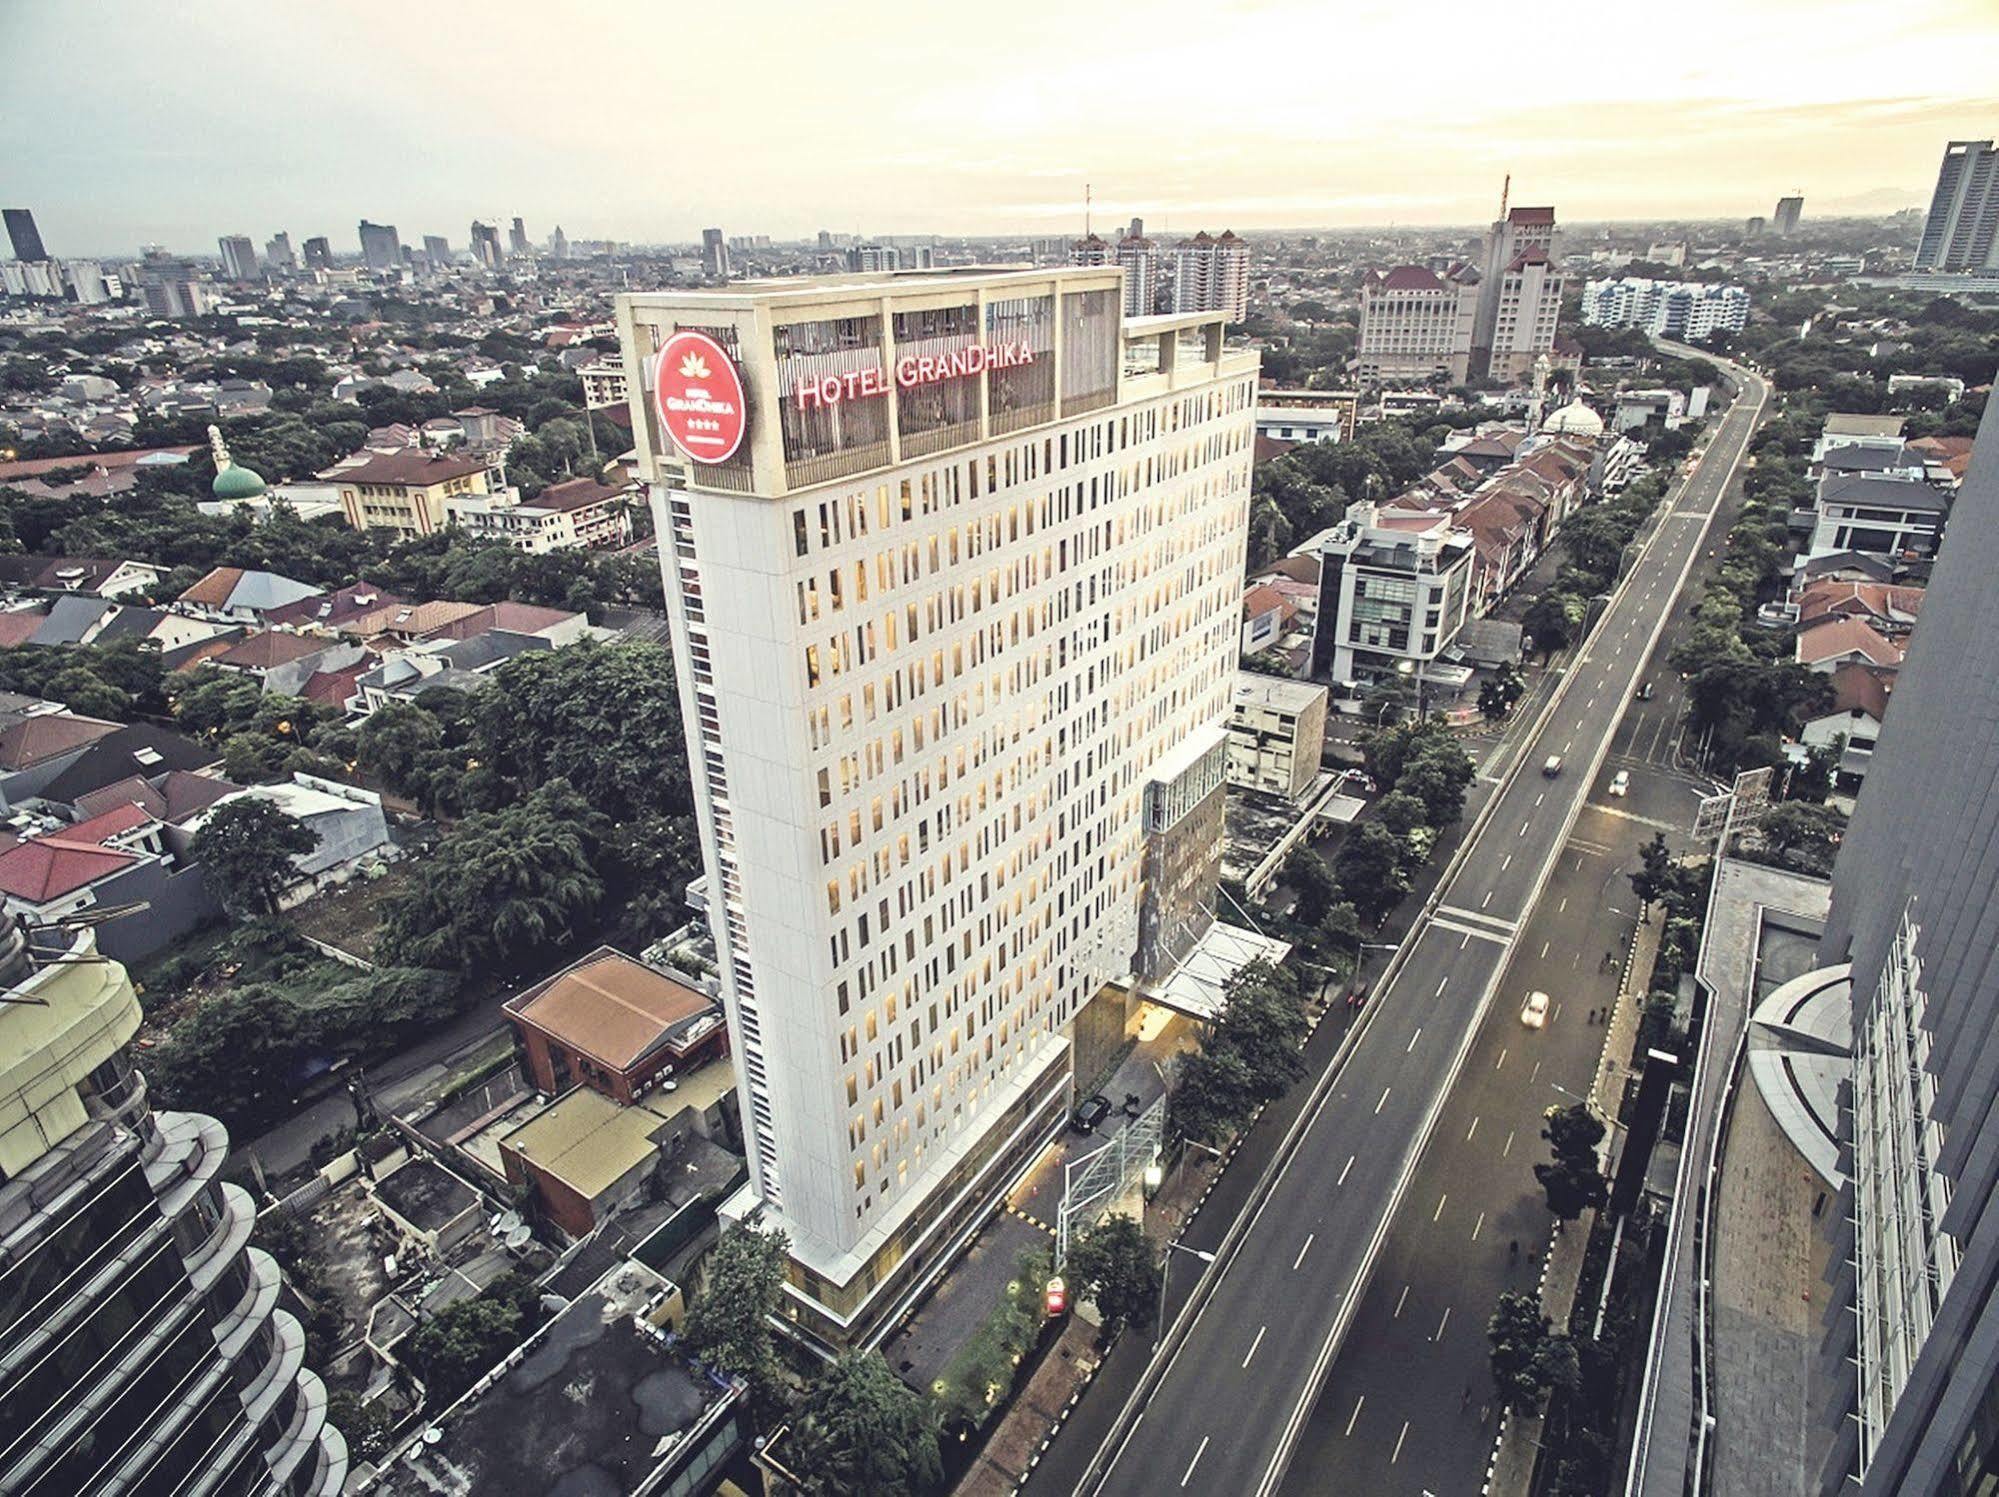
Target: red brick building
[{"x": 615, "y": 1025}]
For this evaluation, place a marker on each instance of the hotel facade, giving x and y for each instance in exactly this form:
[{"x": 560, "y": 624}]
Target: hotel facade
[{"x": 954, "y": 563}]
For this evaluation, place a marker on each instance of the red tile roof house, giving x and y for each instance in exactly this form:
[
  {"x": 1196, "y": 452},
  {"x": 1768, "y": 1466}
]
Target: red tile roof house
[
  {"x": 115, "y": 858},
  {"x": 34, "y": 750},
  {"x": 1836, "y": 641}
]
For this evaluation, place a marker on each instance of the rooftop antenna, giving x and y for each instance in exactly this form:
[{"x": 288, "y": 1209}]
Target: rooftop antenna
[
  {"x": 1505, "y": 192},
  {"x": 1086, "y": 210}
]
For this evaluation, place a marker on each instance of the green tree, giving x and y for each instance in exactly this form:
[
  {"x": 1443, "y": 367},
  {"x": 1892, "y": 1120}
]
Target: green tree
[
  {"x": 502, "y": 885},
  {"x": 1113, "y": 1268},
  {"x": 1655, "y": 876},
  {"x": 248, "y": 849},
  {"x": 1813, "y": 780},
  {"x": 367, "y": 1424},
  {"x": 1553, "y": 620},
  {"x": 729, "y": 1324},
  {"x": 461, "y": 1343},
  {"x": 1802, "y": 833},
  {"x": 232, "y": 1056},
  {"x": 397, "y": 744},
  {"x": 1572, "y": 1180},
  {"x": 1374, "y": 869},
  {"x": 861, "y": 1429},
  {"x": 1309, "y": 877},
  {"x": 1527, "y": 1356},
  {"x": 1213, "y": 1092}
]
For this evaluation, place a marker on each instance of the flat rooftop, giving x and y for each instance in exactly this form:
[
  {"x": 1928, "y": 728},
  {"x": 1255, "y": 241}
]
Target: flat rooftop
[
  {"x": 596, "y": 1404},
  {"x": 1252, "y": 688},
  {"x": 425, "y": 1194},
  {"x": 845, "y": 285}
]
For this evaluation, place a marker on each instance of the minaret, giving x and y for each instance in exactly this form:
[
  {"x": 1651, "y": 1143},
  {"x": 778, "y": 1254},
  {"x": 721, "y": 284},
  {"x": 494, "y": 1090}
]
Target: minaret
[
  {"x": 1542, "y": 368},
  {"x": 219, "y": 448}
]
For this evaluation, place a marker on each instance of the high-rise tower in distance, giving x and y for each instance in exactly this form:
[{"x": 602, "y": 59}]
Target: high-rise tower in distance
[
  {"x": 380, "y": 248},
  {"x": 1961, "y": 231},
  {"x": 141, "y": 1346},
  {"x": 23, "y": 235},
  {"x": 954, "y": 563},
  {"x": 1787, "y": 215}
]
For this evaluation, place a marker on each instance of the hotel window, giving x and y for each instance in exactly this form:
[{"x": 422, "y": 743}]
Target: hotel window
[{"x": 829, "y": 438}]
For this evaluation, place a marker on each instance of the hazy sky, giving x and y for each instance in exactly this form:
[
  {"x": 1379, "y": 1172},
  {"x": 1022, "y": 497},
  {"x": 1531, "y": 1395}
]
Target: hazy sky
[{"x": 123, "y": 121}]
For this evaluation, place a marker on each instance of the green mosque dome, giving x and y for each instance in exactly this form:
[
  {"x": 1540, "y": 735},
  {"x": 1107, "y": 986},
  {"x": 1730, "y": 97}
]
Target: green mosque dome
[{"x": 231, "y": 480}]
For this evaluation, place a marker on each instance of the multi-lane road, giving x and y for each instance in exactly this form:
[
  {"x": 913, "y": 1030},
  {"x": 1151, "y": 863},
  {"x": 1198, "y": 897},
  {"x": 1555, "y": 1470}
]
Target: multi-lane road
[{"x": 1232, "y": 1398}]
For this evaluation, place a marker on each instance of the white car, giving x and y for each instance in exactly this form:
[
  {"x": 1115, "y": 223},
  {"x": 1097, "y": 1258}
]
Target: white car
[
  {"x": 1620, "y": 783},
  {"x": 1534, "y": 1012}
]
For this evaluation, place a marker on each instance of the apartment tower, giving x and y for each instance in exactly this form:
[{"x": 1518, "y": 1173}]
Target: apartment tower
[
  {"x": 141, "y": 1347},
  {"x": 1211, "y": 274},
  {"x": 954, "y": 562},
  {"x": 1962, "y": 229},
  {"x": 1519, "y": 296},
  {"x": 1915, "y": 1334}
]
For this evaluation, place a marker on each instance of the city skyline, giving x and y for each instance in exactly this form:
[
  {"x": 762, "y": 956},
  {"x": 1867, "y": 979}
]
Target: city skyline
[{"x": 1721, "y": 132}]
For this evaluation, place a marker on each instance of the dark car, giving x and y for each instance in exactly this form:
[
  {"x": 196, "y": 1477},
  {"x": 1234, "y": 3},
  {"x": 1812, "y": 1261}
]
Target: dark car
[
  {"x": 1091, "y": 1113},
  {"x": 1645, "y": 691}
]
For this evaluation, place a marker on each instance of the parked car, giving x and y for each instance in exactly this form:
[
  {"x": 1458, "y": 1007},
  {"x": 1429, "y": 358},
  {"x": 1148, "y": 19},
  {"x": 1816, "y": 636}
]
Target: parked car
[
  {"x": 1091, "y": 1113},
  {"x": 1620, "y": 783},
  {"x": 1534, "y": 1012}
]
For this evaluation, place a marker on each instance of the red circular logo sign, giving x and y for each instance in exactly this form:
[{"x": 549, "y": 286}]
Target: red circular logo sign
[{"x": 699, "y": 397}]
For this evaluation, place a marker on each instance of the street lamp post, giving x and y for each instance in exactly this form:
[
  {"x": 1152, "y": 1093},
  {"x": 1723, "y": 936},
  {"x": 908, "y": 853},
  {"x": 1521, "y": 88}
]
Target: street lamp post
[{"x": 1165, "y": 1266}]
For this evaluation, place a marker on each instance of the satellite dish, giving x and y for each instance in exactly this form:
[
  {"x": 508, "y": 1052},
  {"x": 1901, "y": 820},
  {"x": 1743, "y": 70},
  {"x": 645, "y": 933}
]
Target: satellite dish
[
  {"x": 508, "y": 1224},
  {"x": 520, "y": 1236},
  {"x": 432, "y": 1435}
]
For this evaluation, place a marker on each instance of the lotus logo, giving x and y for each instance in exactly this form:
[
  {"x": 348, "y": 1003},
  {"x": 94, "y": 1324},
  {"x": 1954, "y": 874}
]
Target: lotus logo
[{"x": 694, "y": 367}]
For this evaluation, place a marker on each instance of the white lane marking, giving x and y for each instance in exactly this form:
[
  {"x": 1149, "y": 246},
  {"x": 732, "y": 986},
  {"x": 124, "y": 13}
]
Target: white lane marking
[
  {"x": 1400, "y": 1301},
  {"x": 1506, "y": 862},
  {"x": 1509, "y": 1144},
  {"x": 1195, "y": 1461},
  {"x": 1442, "y": 1323},
  {"x": 1523, "y": 830},
  {"x": 1414, "y": 1037},
  {"x": 1383, "y": 1102},
  {"x": 1471, "y": 1130},
  {"x": 1438, "y": 1213},
  {"x": 1541, "y": 797},
  {"x": 1565, "y": 905},
  {"x": 1535, "y": 1074},
  {"x": 1466, "y": 941},
  {"x": 1442, "y": 985},
  {"x": 1309, "y": 1238},
  {"x": 1501, "y": 1061},
  {"x": 1255, "y": 1344},
  {"x": 1344, "y": 1168},
  {"x": 1544, "y": 951},
  {"x": 1488, "y": 893},
  {"x": 1477, "y": 1226},
  {"x": 1398, "y": 1445}
]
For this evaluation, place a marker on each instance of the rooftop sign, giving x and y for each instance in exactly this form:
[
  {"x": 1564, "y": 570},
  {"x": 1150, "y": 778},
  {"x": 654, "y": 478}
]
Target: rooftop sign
[
  {"x": 813, "y": 391},
  {"x": 699, "y": 397}
]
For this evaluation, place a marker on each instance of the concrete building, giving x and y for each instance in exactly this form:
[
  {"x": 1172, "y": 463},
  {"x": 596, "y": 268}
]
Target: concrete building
[
  {"x": 1308, "y": 415},
  {"x": 406, "y": 491},
  {"x": 517, "y": 239},
  {"x": 437, "y": 250},
  {"x": 1394, "y": 590},
  {"x": 1884, "y": 516},
  {"x": 486, "y": 245},
  {"x": 954, "y": 602},
  {"x": 1686, "y": 310},
  {"x": 1137, "y": 256},
  {"x": 89, "y": 284},
  {"x": 278, "y": 253},
  {"x": 239, "y": 257},
  {"x": 604, "y": 384},
  {"x": 1784, "y": 218},
  {"x": 1416, "y": 325},
  {"x": 1913, "y": 1339},
  {"x": 1519, "y": 296},
  {"x": 714, "y": 254},
  {"x": 381, "y": 249},
  {"x": 1277, "y": 733},
  {"x": 175, "y": 289},
  {"x": 1961, "y": 231},
  {"x": 1211, "y": 274},
  {"x": 23, "y": 235},
  {"x": 579, "y": 512},
  {"x": 144, "y": 1350},
  {"x": 318, "y": 253}
]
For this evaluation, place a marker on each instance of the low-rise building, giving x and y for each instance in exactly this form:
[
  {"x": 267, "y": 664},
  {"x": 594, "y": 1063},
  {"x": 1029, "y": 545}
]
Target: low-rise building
[
  {"x": 1394, "y": 589},
  {"x": 407, "y": 491},
  {"x": 580, "y": 512},
  {"x": 347, "y": 820},
  {"x": 1277, "y": 732},
  {"x": 234, "y": 595},
  {"x": 1882, "y": 515},
  {"x": 613, "y": 1023},
  {"x": 1307, "y": 415}
]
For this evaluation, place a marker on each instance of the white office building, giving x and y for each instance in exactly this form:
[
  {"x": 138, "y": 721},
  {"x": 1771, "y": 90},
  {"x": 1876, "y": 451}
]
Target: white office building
[
  {"x": 955, "y": 599},
  {"x": 1394, "y": 590},
  {"x": 1961, "y": 230},
  {"x": 1416, "y": 324},
  {"x": 1686, "y": 310}
]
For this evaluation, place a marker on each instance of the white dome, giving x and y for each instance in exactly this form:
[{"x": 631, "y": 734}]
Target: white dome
[{"x": 1575, "y": 419}]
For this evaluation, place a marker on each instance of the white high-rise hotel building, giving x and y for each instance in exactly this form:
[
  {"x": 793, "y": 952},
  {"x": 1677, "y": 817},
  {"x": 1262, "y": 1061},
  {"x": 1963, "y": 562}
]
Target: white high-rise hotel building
[{"x": 955, "y": 619}]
